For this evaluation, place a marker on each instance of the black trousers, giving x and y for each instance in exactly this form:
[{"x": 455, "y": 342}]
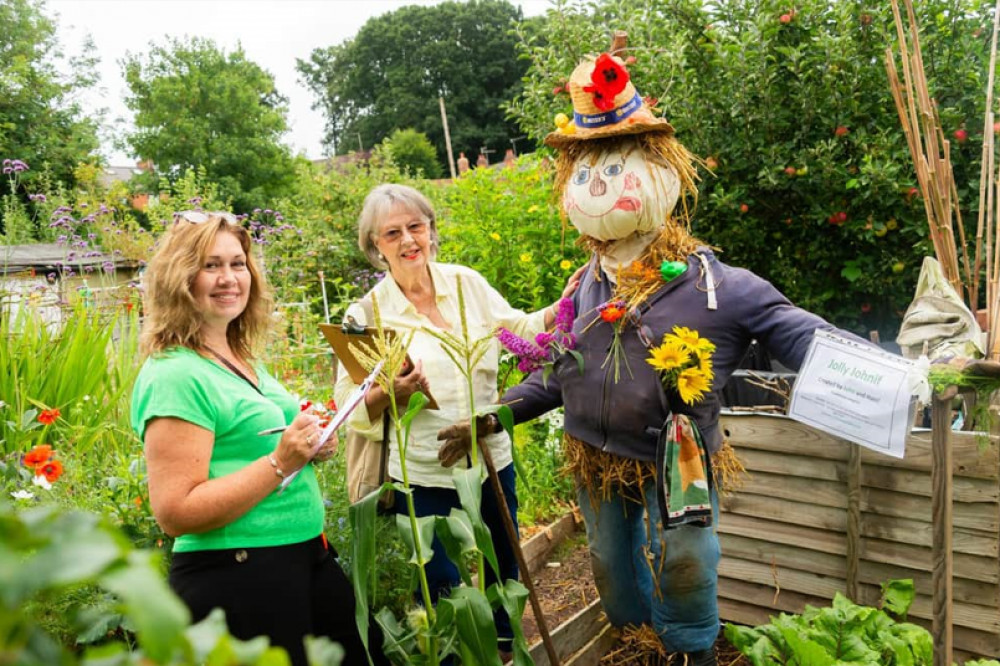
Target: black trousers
[{"x": 282, "y": 592}]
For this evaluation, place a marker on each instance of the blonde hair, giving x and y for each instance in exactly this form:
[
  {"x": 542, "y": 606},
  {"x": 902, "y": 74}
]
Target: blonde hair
[
  {"x": 172, "y": 318},
  {"x": 379, "y": 205}
]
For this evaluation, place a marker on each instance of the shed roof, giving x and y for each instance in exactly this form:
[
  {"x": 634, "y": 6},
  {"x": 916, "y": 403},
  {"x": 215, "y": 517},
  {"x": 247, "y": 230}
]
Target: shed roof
[{"x": 49, "y": 256}]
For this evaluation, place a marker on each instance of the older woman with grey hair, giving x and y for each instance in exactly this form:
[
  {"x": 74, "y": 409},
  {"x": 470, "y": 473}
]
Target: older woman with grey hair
[{"x": 397, "y": 231}]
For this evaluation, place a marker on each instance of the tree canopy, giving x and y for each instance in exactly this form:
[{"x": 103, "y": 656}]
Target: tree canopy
[
  {"x": 199, "y": 107},
  {"x": 41, "y": 123},
  {"x": 390, "y": 75}
]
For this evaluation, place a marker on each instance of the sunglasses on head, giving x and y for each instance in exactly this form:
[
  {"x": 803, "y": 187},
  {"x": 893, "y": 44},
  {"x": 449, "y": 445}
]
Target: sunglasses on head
[{"x": 199, "y": 216}]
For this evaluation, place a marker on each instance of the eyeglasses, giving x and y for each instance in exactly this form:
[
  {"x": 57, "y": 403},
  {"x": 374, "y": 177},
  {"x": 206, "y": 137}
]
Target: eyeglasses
[
  {"x": 413, "y": 227},
  {"x": 199, "y": 216}
]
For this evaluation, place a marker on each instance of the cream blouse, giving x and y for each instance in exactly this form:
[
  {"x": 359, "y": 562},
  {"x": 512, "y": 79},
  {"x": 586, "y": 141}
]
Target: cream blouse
[{"x": 486, "y": 310}]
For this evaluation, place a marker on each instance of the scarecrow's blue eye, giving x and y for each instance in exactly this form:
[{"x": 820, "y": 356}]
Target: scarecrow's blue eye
[
  {"x": 612, "y": 169},
  {"x": 582, "y": 176}
]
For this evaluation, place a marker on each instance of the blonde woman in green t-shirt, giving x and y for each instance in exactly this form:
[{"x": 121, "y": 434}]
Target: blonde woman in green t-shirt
[{"x": 199, "y": 404}]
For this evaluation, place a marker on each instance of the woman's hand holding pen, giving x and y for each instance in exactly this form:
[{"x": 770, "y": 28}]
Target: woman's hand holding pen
[{"x": 298, "y": 441}]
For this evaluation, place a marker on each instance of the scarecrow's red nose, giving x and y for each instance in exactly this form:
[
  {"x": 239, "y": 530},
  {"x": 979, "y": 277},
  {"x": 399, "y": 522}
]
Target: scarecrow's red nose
[{"x": 597, "y": 186}]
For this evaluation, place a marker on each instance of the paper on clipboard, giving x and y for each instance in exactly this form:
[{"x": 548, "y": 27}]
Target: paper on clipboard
[
  {"x": 341, "y": 343},
  {"x": 356, "y": 398}
]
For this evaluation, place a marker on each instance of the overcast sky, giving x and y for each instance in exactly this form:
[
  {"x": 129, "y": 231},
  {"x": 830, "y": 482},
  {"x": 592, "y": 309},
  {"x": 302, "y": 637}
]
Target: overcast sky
[{"x": 273, "y": 34}]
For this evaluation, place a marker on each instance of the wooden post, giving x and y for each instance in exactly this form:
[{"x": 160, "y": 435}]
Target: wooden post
[
  {"x": 941, "y": 509},
  {"x": 447, "y": 138},
  {"x": 853, "y": 520}
]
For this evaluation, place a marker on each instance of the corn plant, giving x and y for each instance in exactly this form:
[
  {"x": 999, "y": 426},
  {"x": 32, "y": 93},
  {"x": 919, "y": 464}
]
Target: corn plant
[{"x": 461, "y": 624}]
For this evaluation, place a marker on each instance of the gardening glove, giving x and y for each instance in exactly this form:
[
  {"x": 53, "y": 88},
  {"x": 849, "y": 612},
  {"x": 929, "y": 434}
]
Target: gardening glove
[{"x": 457, "y": 438}]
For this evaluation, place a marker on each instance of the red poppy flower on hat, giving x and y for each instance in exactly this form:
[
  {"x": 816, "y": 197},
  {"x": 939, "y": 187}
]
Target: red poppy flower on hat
[
  {"x": 38, "y": 455},
  {"x": 609, "y": 79},
  {"x": 48, "y": 416},
  {"x": 51, "y": 470}
]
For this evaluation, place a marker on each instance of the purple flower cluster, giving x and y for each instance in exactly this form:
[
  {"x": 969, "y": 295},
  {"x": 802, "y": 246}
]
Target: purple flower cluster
[
  {"x": 547, "y": 346},
  {"x": 37, "y": 198},
  {"x": 14, "y": 166},
  {"x": 530, "y": 356}
]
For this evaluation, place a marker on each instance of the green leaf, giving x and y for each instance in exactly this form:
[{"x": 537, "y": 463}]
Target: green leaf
[
  {"x": 898, "y": 595},
  {"x": 468, "y": 483},
  {"x": 363, "y": 516},
  {"x": 851, "y": 271},
  {"x": 158, "y": 615},
  {"x": 852, "y": 184},
  {"x": 400, "y": 642},
  {"x": 425, "y": 530},
  {"x": 806, "y": 652},
  {"x": 456, "y": 534},
  {"x": 416, "y": 403},
  {"x": 323, "y": 652},
  {"x": 474, "y": 621},
  {"x": 512, "y": 597}
]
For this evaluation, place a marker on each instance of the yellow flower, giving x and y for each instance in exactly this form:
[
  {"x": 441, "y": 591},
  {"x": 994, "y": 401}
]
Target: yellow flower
[
  {"x": 565, "y": 264},
  {"x": 526, "y": 257},
  {"x": 495, "y": 236},
  {"x": 668, "y": 356},
  {"x": 533, "y": 208},
  {"x": 691, "y": 384},
  {"x": 693, "y": 341}
]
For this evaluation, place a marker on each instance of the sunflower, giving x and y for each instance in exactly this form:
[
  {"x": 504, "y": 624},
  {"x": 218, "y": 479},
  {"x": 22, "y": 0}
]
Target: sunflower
[
  {"x": 691, "y": 384},
  {"x": 669, "y": 356},
  {"x": 693, "y": 341}
]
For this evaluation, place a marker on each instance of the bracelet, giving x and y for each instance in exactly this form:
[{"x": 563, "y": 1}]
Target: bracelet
[{"x": 274, "y": 464}]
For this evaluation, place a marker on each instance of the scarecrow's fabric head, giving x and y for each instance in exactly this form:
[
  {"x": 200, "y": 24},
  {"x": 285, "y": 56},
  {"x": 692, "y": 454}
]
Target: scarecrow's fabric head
[{"x": 614, "y": 188}]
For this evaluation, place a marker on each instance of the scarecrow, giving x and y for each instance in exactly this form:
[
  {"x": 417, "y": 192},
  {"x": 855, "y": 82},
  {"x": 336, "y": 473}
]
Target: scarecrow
[{"x": 660, "y": 324}]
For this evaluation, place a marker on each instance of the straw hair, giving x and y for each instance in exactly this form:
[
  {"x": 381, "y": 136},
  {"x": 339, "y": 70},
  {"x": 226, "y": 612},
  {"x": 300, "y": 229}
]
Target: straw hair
[
  {"x": 172, "y": 317},
  {"x": 379, "y": 205},
  {"x": 639, "y": 122}
]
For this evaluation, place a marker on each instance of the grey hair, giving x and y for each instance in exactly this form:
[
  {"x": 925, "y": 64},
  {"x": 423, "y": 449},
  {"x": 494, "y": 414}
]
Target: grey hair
[{"x": 378, "y": 206}]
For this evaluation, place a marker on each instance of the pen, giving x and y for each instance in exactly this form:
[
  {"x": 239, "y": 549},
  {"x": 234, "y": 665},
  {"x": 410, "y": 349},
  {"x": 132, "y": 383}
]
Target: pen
[{"x": 271, "y": 431}]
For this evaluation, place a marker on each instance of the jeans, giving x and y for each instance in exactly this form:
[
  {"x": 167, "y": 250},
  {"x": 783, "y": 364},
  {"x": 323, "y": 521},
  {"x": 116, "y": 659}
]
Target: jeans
[
  {"x": 682, "y": 607},
  {"x": 442, "y": 574}
]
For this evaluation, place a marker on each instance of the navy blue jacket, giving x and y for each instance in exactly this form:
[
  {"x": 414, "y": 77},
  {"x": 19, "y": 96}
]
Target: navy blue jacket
[{"x": 623, "y": 417}]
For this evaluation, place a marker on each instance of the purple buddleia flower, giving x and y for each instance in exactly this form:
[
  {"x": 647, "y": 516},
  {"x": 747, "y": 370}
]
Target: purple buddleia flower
[
  {"x": 528, "y": 365},
  {"x": 544, "y": 339},
  {"x": 565, "y": 312},
  {"x": 518, "y": 345}
]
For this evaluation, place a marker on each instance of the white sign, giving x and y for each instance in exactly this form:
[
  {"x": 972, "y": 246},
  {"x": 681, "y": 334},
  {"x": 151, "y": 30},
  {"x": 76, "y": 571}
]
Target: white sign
[{"x": 855, "y": 392}]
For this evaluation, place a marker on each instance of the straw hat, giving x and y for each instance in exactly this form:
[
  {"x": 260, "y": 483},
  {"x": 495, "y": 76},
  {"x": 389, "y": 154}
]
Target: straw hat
[{"x": 605, "y": 103}]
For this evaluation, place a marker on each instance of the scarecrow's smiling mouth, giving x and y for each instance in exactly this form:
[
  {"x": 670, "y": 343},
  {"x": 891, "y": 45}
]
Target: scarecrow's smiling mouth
[{"x": 626, "y": 203}]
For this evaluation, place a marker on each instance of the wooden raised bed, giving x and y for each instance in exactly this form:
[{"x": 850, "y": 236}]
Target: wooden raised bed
[
  {"x": 582, "y": 639},
  {"x": 817, "y": 515}
]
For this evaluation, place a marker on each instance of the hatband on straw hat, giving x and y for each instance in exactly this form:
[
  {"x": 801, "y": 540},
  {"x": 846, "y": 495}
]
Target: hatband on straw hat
[{"x": 605, "y": 104}]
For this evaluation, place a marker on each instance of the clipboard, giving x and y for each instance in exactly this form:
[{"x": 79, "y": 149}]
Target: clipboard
[
  {"x": 356, "y": 398},
  {"x": 341, "y": 343}
]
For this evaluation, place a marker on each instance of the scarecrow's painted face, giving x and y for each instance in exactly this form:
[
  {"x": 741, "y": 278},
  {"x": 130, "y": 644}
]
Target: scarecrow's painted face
[{"x": 619, "y": 194}]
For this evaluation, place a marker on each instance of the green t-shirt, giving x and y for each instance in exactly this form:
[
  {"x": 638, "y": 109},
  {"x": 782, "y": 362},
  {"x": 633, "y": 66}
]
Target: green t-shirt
[{"x": 181, "y": 384}]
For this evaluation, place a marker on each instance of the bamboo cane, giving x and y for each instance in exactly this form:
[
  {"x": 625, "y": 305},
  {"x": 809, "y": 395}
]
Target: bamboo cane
[{"x": 515, "y": 543}]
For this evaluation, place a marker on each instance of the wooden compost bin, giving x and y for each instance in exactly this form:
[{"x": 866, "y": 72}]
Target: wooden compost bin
[{"x": 817, "y": 515}]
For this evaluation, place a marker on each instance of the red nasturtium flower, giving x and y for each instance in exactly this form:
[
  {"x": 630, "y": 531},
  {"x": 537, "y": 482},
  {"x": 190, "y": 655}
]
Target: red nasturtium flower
[
  {"x": 612, "y": 311},
  {"x": 609, "y": 79},
  {"x": 331, "y": 405},
  {"x": 51, "y": 470},
  {"x": 38, "y": 455},
  {"x": 48, "y": 416}
]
